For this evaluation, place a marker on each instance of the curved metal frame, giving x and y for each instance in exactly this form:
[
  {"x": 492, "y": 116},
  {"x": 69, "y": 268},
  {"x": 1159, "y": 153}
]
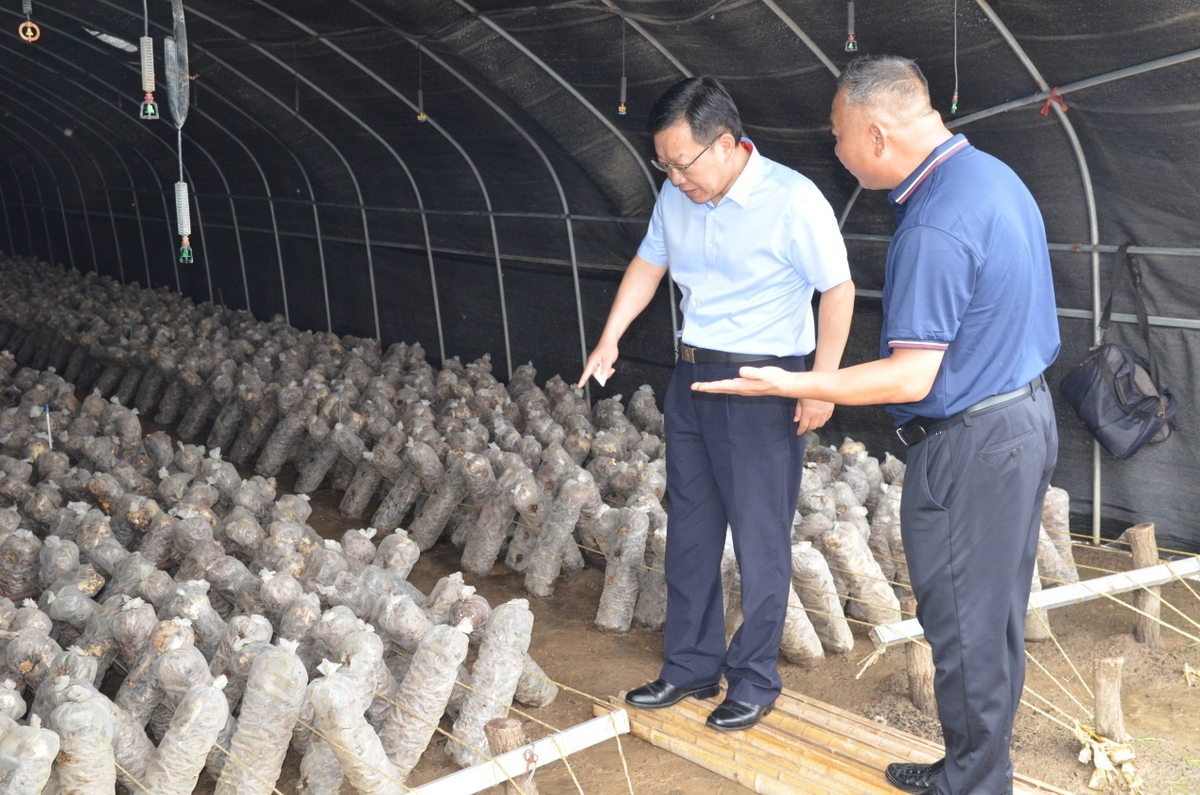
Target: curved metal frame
[
  {"x": 349, "y": 170},
  {"x": 7, "y": 221},
  {"x": 166, "y": 211},
  {"x": 485, "y": 19},
  {"x": 1093, "y": 226},
  {"x": 25, "y": 208},
  {"x": 266, "y": 184},
  {"x": 61, "y": 202},
  {"x": 211, "y": 159},
  {"x": 487, "y": 199},
  {"x": 78, "y": 182},
  {"x": 603, "y": 119},
  {"x": 462, "y": 153}
]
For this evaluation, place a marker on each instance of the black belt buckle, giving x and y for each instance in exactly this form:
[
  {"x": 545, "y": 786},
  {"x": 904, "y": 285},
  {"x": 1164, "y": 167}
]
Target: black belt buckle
[{"x": 911, "y": 433}]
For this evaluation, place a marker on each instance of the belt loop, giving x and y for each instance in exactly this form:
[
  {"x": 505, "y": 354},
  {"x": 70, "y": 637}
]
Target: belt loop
[{"x": 968, "y": 419}]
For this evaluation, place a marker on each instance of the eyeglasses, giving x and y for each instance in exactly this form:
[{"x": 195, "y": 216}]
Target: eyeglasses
[{"x": 678, "y": 169}]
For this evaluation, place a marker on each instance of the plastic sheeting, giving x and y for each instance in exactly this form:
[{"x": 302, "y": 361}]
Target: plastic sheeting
[{"x": 303, "y": 143}]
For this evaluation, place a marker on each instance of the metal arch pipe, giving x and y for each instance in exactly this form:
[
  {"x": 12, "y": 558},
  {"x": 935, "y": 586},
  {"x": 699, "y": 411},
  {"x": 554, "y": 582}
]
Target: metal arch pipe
[
  {"x": 349, "y": 170},
  {"x": 655, "y": 43},
  {"x": 603, "y": 119},
  {"x": 804, "y": 37},
  {"x": 254, "y": 160},
  {"x": 61, "y": 204},
  {"x": 7, "y": 220},
  {"x": 87, "y": 222},
  {"x": 25, "y": 212},
  {"x": 485, "y": 19},
  {"x": 1093, "y": 227},
  {"x": 1079, "y": 85},
  {"x": 220, "y": 172},
  {"x": 536, "y": 148},
  {"x": 461, "y": 151},
  {"x": 823, "y": 58},
  {"x": 149, "y": 166}
]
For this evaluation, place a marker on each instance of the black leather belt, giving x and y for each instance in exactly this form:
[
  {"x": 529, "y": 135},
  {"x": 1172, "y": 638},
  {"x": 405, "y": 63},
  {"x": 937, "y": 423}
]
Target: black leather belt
[
  {"x": 917, "y": 429},
  {"x": 693, "y": 355}
]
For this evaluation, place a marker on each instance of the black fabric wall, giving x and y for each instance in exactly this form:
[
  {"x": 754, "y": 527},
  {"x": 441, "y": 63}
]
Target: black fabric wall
[{"x": 317, "y": 194}]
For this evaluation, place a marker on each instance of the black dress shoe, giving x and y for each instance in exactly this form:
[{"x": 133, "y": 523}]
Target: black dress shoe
[
  {"x": 732, "y": 716},
  {"x": 661, "y": 693},
  {"x": 915, "y": 778}
]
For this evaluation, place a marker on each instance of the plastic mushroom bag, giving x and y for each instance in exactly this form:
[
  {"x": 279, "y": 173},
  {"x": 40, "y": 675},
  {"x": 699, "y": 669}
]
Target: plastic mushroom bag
[
  {"x": 199, "y": 718},
  {"x": 270, "y": 705}
]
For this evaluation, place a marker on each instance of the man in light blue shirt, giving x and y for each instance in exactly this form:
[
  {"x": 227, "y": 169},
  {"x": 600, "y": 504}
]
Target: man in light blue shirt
[{"x": 748, "y": 241}]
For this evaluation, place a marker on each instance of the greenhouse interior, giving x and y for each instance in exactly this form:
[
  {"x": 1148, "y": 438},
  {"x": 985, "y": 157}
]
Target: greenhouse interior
[{"x": 311, "y": 481}]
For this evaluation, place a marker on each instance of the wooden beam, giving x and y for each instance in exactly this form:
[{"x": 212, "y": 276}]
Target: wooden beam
[
  {"x": 903, "y": 631},
  {"x": 513, "y": 765}
]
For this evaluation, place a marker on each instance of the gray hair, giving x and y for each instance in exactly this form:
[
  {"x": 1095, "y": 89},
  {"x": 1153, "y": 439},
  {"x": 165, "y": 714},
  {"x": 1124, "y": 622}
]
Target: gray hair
[{"x": 886, "y": 81}]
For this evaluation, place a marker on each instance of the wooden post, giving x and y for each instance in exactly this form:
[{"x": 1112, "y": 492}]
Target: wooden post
[
  {"x": 1110, "y": 721},
  {"x": 503, "y": 735},
  {"x": 1145, "y": 553},
  {"x": 1037, "y": 622},
  {"x": 920, "y": 667}
]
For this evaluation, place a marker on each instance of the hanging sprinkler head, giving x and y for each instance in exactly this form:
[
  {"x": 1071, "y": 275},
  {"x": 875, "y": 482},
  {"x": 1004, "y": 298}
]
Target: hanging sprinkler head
[
  {"x": 28, "y": 30},
  {"x": 149, "y": 108},
  {"x": 851, "y": 44},
  {"x": 621, "y": 108},
  {"x": 183, "y": 220},
  {"x": 421, "y": 117}
]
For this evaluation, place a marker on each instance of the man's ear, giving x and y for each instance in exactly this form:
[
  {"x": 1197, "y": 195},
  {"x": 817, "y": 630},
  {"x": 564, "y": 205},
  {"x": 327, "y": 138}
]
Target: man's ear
[{"x": 879, "y": 138}]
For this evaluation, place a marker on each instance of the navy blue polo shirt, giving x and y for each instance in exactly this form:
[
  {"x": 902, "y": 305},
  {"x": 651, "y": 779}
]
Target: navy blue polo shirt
[{"x": 968, "y": 273}]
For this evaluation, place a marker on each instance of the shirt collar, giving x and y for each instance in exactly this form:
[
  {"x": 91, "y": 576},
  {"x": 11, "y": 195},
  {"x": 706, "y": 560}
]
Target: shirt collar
[
  {"x": 751, "y": 175},
  {"x": 938, "y": 156}
]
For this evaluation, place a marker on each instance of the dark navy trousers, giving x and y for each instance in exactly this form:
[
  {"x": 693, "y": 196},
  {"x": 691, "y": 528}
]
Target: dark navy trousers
[
  {"x": 969, "y": 513},
  {"x": 732, "y": 461}
]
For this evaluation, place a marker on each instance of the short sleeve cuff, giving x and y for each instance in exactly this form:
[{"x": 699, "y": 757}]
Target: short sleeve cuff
[
  {"x": 652, "y": 253},
  {"x": 918, "y": 345}
]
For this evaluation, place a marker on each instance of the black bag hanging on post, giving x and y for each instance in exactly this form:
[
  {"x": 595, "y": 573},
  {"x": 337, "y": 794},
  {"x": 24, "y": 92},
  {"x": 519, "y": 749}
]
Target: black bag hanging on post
[{"x": 1115, "y": 390}]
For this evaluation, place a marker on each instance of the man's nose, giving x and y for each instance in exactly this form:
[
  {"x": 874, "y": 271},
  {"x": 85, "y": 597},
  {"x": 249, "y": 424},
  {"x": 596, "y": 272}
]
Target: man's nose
[{"x": 676, "y": 176}]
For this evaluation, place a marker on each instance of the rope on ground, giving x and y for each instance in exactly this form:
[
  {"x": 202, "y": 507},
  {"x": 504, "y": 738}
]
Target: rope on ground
[{"x": 1066, "y": 657}]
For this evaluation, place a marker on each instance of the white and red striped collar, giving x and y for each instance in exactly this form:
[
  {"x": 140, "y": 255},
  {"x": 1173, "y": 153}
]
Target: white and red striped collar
[{"x": 936, "y": 157}]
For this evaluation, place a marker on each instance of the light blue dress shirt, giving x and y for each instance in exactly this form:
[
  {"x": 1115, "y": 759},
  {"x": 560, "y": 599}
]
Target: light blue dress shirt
[{"x": 747, "y": 266}]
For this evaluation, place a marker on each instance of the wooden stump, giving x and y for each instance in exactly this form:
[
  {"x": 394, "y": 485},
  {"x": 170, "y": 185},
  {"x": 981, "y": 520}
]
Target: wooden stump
[
  {"x": 1037, "y": 622},
  {"x": 920, "y": 667},
  {"x": 1110, "y": 721},
  {"x": 1145, "y": 553},
  {"x": 503, "y": 735}
]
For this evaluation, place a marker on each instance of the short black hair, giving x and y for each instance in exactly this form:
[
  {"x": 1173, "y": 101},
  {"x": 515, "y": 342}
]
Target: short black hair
[{"x": 703, "y": 103}]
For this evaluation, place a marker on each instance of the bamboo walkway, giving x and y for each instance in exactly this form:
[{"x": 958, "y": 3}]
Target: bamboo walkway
[{"x": 803, "y": 746}]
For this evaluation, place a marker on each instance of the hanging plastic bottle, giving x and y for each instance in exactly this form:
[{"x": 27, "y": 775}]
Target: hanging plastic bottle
[{"x": 183, "y": 220}]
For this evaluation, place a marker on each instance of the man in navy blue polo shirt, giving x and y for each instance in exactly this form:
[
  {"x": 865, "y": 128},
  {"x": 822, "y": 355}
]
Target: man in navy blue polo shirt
[
  {"x": 969, "y": 327},
  {"x": 748, "y": 241}
]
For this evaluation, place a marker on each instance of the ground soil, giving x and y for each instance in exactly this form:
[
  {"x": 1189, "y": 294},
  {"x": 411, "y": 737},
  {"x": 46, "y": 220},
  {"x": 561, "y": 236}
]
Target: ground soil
[{"x": 1162, "y": 711}]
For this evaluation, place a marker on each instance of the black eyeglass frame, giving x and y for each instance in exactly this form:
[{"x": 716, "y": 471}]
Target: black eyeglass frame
[{"x": 667, "y": 168}]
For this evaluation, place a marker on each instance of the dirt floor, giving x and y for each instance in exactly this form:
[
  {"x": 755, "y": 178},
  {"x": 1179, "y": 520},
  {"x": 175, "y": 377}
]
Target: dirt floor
[{"x": 1162, "y": 711}]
